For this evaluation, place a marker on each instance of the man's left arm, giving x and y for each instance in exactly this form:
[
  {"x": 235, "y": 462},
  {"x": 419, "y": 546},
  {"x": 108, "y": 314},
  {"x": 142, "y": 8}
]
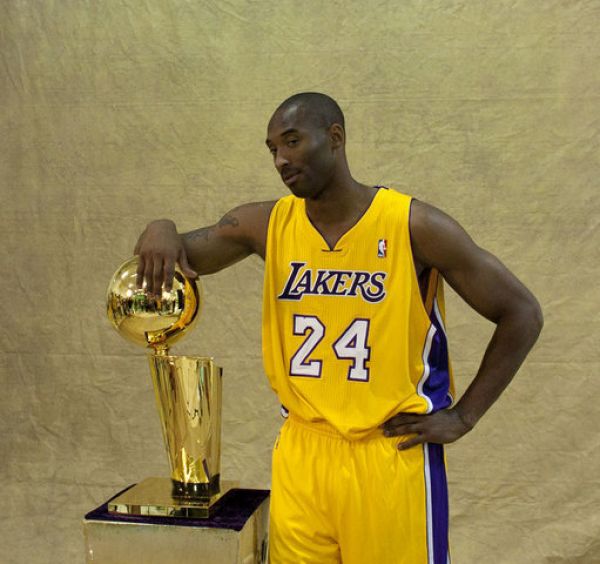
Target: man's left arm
[{"x": 492, "y": 290}]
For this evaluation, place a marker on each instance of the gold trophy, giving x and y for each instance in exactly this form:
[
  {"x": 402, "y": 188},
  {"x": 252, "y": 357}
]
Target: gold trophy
[{"x": 188, "y": 396}]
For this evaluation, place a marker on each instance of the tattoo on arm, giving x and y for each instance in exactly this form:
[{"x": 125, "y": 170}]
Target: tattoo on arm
[
  {"x": 204, "y": 232},
  {"x": 228, "y": 219},
  {"x": 201, "y": 233}
]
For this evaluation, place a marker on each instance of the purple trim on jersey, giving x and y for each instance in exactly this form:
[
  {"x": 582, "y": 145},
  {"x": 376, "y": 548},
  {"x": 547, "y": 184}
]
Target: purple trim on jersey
[
  {"x": 438, "y": 493},
  {"x": 437, "y": 385}
]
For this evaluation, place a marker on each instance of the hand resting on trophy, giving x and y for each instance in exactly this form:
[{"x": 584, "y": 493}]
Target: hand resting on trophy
[
  {"x": 187, "y": 389},
  {"x": 149, "y": 319},
  {"x": 160, "y": 250}
]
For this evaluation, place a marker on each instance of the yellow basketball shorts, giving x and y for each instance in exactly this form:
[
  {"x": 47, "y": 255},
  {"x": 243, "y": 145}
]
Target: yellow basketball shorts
[{"x": 356, "y": 502}]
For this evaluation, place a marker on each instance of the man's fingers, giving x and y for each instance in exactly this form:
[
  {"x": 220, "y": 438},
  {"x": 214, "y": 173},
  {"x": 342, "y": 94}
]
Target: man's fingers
[
  {"x": 157, "y": 277},
  {"x": 159, "y": 273},
  {"x": 404, "y": 429},
  {"x": 400, "y": 420},
  {"x": 168, "y": 275},
  {"x": 185, "y": 266},
  {"x": 403, "y": 445},
  {"x": 139, "y": 280},
  {"x": 148, "y": 273}
]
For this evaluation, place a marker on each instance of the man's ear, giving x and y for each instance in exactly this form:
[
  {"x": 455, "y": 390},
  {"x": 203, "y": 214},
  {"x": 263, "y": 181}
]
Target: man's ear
[{"x": 337, "y": 136}]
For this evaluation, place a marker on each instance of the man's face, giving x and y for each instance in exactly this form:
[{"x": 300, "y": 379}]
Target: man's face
[{"x": 301, "y": 151}]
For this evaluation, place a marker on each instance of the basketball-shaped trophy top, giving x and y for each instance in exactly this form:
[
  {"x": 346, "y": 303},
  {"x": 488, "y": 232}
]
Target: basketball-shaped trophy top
[{"x": 149, "y": 320}]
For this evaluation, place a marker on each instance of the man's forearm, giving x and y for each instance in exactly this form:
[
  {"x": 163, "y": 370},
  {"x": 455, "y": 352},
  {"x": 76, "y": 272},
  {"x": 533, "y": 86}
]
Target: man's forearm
[{"x": 515, "y": 335}]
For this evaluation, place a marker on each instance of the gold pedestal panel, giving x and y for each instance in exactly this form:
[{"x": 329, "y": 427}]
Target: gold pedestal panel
[{"x": 235, "y": 534}]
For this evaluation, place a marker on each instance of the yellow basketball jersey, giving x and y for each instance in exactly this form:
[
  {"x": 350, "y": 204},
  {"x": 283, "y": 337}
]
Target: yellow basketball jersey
[{"x": 348, "y": 340}]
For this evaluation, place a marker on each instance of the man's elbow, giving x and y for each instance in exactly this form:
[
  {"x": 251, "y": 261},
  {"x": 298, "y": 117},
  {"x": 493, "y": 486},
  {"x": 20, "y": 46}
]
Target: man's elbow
[{"x": 534, "y": 318}]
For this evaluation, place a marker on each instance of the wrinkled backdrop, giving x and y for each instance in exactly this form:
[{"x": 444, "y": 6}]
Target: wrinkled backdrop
[{"x": 115, "y": 113}]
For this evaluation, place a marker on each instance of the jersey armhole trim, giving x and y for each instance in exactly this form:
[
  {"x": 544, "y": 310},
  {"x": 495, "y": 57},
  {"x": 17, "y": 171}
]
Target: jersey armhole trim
[
  {"x": 268, "y": 236},
  {"x": 432, "y": 282}
]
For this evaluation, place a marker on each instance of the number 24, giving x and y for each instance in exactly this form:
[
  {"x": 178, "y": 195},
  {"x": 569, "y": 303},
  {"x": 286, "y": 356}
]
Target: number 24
[{"x": 352, "y": 345}]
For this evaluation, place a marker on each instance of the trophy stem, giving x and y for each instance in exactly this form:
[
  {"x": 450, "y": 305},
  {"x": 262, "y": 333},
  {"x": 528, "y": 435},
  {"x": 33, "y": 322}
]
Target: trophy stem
[
  {"x": 161, "y": 350},
  {"x": 188, "y": 396}
]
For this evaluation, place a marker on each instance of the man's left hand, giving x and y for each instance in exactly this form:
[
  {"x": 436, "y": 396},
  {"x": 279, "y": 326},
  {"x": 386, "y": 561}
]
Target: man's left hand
[{"x": 441, "y": 427}]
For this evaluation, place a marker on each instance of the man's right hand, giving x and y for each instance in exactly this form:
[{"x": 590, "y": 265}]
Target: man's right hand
[
  {"x": 239, "y": 233},
  {"x": 160, "y": 248}
]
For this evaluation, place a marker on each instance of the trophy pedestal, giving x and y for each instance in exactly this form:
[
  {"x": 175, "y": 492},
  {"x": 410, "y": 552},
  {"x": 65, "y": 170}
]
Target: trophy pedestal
[
  {"x": 154, "y": 496},
  {"x": 189, "y": 517},
  {"x": 234, "y": 533}
]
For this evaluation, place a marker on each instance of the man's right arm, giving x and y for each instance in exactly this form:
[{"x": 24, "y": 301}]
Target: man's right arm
[{"x": 240, "y": 233}]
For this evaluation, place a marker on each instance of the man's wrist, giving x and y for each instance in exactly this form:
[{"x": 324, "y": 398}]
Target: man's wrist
[{"x": 467, "y": 419}]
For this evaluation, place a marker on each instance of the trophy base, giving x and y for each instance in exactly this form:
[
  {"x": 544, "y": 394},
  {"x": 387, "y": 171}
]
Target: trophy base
[
  {"x": 191, "y": 491},
  {"x": 155, "y": 497}
]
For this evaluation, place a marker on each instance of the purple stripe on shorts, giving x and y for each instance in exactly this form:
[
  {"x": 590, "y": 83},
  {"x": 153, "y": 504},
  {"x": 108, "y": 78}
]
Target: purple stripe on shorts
[
  {"x": 438, "y": 493},
  {"x": 437, "y": 386}
]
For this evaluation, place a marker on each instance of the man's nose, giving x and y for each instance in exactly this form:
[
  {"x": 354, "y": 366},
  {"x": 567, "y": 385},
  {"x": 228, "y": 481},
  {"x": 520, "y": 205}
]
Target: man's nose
[{"x": 280, "y": 161}]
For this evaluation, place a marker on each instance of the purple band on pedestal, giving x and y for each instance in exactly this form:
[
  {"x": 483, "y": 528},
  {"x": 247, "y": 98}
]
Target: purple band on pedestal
[{"x": 230, "y": 512}]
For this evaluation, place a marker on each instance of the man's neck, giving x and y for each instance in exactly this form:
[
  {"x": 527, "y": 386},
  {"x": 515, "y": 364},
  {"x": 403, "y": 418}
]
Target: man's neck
[
  {"x": 342, "y": 201},
  {"x": 338, "y": 208}
]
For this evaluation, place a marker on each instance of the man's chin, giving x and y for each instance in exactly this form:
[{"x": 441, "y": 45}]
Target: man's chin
[{"x": 300, "y": 191}]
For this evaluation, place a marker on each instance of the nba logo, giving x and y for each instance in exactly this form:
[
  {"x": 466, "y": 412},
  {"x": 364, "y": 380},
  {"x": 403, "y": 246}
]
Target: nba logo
[{"x": 382, "y": 248}]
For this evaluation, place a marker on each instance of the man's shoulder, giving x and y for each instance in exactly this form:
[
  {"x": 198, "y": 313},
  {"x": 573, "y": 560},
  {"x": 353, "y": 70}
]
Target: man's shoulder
[
  {"x": 286, "y": 205},
  {"x": 393, "y": 194},
  {"x": 254, "y": 212},
  {"x": 392, "y": 202}
]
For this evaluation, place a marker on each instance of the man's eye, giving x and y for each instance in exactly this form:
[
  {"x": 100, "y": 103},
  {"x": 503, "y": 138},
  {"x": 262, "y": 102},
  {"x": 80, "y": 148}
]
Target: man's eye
[{"x": 292, "y": 142}]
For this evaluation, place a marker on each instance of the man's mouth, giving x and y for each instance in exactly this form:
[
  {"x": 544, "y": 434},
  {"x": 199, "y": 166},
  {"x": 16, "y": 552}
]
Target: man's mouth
[{"x": 289, "y": 177}]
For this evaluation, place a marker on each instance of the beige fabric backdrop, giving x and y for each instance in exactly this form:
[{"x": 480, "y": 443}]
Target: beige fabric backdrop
[{"x": 115, "y": 113}]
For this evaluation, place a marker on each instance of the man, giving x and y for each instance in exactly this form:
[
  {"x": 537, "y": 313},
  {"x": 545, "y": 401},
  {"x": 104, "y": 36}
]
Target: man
[{"x": 354, "y": 343}]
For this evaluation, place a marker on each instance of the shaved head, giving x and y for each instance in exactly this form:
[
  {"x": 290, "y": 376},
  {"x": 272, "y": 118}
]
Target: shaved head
[
  {"x": 321, "y": 110},
  {"x": 306, "y": 138}
]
